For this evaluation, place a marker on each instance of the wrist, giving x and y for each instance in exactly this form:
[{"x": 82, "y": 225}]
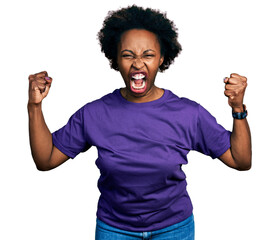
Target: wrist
[
  {"x": 239, "y": 113},
  {"x": 238, "y": 109},
  {"x": 34, "y": 106}
]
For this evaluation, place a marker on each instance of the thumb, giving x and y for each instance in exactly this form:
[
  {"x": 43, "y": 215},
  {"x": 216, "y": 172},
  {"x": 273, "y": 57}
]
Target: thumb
[
  {"x": 45, "y": 93},
  {"x": 226, "y": 79}
]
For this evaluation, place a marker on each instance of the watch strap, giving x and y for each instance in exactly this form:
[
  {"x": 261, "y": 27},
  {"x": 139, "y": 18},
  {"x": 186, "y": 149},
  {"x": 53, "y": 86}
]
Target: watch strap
[{"x": 240, "y": 115}]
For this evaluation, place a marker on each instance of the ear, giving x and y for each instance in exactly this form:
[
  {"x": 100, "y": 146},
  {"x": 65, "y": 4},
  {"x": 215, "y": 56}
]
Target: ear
[{"x": 161, "y": 60}]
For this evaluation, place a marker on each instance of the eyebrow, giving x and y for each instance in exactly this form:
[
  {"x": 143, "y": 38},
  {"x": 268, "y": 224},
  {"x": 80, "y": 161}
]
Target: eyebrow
[{"x": 126, "y": 50}]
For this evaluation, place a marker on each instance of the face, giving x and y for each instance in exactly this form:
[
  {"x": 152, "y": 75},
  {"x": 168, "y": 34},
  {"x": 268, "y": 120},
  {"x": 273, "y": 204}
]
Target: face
[{"x": 139, "y": 58}]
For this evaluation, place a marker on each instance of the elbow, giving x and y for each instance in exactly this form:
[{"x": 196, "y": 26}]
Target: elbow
[
  {"x": 243, "y": 162},
  {"x": 42, "y": 168},
  {"x": 46, "y": 165},
  {"x": 245, "y": 166}
]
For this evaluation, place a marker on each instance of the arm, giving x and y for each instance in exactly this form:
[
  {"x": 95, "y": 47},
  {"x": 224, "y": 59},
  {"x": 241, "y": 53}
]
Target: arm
[
  {"x": 46, "y": 156},
  {"x": 239, "y": 156}
]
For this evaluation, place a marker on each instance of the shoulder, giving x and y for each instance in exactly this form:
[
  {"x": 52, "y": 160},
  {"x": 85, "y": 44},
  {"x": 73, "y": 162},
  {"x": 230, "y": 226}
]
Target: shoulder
[
  {"x": 99, "y": 107},
  {"x": 182, "y": 102},
  {"x": 105, "y": 100}
]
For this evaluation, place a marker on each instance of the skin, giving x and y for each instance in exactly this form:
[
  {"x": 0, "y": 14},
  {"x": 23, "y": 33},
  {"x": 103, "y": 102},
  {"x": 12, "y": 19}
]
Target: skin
[
  {"x": 239, "y": 156},
  {"x": 46, "y": 156},
  {"x": 138, "y": 50}
]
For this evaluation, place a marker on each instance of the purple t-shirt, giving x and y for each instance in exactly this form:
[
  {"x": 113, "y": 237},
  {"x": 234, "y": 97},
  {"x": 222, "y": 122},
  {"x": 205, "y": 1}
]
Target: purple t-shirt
[{"x": 141, "y": 147}]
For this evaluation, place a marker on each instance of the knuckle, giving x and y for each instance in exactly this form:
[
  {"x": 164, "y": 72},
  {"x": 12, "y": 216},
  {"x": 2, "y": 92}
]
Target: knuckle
[
  {"x": 227, "y": 93},
  {"x": 234, "y": 75},
  {"x": 43, "y": 72}
]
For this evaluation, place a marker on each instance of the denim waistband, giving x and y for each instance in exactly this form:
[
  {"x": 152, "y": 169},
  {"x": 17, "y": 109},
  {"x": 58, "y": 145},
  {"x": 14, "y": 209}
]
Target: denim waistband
[{"x": 159, "y": 231}]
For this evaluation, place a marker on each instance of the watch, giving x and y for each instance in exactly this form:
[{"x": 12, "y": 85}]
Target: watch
[{"x": 240, "y": 115}]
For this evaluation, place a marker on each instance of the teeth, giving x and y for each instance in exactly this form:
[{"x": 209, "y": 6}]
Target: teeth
[
  {"x": 136, "y": 87},
  {"x": 138, "y": 76}
]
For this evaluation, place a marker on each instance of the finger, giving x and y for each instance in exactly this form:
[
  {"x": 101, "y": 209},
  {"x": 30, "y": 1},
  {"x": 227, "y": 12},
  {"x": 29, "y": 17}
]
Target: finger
[
  {"x": 234, "y": 75},
  {"x": 243, "y": 78},
  {"x": 41, "y": 80},
  {"x": 41, "y": 86},
  {"x": 231, "y": 80},
  {"x": 48, "y": 79},
  {"x": 31, "y": 77},
  {"x": 45, "y": 93},
  {"x": 231, "y": 86},
  {"x": 234, "y": 81},
  {"x": 229, "y": 93},
  {"x": 42, "y": 74}
]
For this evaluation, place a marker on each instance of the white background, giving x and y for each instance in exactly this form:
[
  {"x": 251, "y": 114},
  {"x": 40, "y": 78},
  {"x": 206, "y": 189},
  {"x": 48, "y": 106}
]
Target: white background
[{"x": 218, "y": 37}]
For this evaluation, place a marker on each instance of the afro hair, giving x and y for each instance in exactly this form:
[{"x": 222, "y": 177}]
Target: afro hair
[{"x": 134, "y": 17}]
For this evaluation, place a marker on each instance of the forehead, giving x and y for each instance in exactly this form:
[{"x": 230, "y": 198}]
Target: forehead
[{"x": 139, "y": 39}]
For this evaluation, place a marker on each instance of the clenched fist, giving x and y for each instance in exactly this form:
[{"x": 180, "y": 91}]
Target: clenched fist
[
  {"x": 234, "y": 89},
  {"x": 39, "y": 85}
]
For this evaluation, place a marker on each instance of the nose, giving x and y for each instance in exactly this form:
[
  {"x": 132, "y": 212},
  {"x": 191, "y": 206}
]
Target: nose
[{"x": 138, "y": 63}]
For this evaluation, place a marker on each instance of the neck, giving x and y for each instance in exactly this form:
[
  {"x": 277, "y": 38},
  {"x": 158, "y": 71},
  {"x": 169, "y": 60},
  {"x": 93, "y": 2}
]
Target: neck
[{"x": 153, "y": 94}]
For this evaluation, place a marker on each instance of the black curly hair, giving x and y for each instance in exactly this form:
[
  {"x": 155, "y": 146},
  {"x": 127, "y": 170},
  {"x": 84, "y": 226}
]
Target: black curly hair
[{"x": 134, "y": 17}]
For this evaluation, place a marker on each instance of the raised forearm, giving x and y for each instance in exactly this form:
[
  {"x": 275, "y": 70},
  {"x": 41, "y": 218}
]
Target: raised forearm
[
  {"x": 46, "y": 156},
  {"x": 239, "y": 156},
  {"x": 40, "y": 136},
  {"x": 241, "y": 148}
]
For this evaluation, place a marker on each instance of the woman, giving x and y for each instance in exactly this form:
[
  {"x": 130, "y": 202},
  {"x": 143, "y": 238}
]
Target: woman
[{"x": 142, "y": 132}]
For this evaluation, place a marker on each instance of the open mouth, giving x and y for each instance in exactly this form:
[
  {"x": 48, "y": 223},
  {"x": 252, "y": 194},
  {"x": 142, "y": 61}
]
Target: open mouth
[{"x": 138, "y": 81}]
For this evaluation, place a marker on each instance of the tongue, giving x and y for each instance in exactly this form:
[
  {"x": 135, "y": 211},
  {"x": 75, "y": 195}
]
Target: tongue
[{"x": 138, "y": 81}]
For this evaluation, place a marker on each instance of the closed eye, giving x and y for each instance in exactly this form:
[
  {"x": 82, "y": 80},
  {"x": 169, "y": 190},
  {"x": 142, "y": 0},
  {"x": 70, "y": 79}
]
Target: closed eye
[
  {"x": 127, "y": 56},
  {"x": 149, "y": 55}
]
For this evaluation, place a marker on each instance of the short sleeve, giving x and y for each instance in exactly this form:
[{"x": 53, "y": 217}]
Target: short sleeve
[
  {"x": 211, "y": 138},
  {"x": 70, "y": 139}
]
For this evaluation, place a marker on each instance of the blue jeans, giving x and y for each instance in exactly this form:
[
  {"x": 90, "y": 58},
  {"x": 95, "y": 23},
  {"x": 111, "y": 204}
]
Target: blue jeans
[{"x": 184, "y": 230}]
